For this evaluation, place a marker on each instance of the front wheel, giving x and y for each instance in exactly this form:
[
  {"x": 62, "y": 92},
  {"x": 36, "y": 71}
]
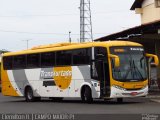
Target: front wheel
[{"x": 86, "y": 95}]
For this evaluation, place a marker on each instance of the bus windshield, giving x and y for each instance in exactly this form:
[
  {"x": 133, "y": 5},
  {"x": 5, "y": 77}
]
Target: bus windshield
[{"x": 133, "y": 65}]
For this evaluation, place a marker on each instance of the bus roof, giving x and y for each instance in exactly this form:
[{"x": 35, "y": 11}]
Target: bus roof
[{"x": 70, "y": 46}]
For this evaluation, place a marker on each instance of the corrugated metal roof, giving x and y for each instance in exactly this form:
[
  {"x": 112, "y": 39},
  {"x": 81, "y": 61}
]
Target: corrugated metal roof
[{"x": 151, "y": 27}]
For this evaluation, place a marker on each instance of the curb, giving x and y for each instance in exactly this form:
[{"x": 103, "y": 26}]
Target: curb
[
  {"x": 155, "y": 100},
  {"x": 153, "y": 96}
]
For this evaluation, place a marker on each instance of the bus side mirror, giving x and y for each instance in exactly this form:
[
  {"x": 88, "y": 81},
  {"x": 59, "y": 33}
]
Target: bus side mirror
[
  {"x": 155, "y": 57},
  {"x": 116, "y": 58}
]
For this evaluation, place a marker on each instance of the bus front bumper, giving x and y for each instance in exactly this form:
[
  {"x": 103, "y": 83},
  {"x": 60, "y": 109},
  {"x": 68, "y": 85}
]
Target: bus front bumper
[{"x": 121, "y": 93}]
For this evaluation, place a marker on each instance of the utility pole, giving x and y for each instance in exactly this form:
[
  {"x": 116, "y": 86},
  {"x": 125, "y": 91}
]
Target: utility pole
[
  {"x": 70, "y": 40},
  {"x": 27, "y": 41},
  {"x": 85, "y": 21}
]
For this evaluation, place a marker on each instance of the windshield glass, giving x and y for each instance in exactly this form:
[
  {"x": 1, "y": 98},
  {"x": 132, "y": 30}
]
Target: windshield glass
[{"x": 132, "y": 64}]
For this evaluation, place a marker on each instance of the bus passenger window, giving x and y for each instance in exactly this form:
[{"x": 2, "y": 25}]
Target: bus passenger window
[
  {"x": 7, "y": 62},
  {"x": 47, "y": 59},
  {"x": 81, "y": 57},
  {"x": 19, "y": 62},
  {"x": 63, "y": 58},
  {"x": 33, "y": 60}
]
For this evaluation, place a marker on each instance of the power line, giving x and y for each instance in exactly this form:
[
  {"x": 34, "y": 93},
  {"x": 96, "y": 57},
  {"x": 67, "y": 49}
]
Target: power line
[
  {"x": 64, "y": 34},
  {"x": 16, "y": 16},
  {"x": 19, "y": 32},
  {"x": 38, "y": 15}
]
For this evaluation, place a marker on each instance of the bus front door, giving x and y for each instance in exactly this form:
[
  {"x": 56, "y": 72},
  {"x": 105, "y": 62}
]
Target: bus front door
[{"x": 103, "y": 77}]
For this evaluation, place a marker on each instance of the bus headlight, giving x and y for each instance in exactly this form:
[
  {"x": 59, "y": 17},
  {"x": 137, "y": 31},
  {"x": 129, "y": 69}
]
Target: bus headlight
[
  {"x": 145, "y": 87},
  {"x": 118, "y": 87}
]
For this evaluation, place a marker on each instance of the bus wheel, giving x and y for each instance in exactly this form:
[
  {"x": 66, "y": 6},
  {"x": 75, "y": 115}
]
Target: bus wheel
[
  {"x": 29, "y": 95},
  {"x": 86, "y": 95},
  {"x": 119, "y": 100}
]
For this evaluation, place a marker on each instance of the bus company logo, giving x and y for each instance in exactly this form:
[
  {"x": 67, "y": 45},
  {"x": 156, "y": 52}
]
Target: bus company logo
[
  {"x": 61, "y": 75},
  {"x": 47, "y": 75}
]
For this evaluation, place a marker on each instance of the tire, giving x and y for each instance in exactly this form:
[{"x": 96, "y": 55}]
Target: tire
[
  {"x": 29, "y": 95},
  {"x": 86, "y": 95},
  {"x": 120, "y": 100}
]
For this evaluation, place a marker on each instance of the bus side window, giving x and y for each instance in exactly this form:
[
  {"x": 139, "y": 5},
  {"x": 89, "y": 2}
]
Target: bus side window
[
  {"x": 7, "y": 62},
  {"x": 33, "y": 60},
  {"x": 63, "y": 58},
  {"x": 47, "y": 59},
  {"x": 19, "y": 62},
  {"x": 82, "y": 56}
]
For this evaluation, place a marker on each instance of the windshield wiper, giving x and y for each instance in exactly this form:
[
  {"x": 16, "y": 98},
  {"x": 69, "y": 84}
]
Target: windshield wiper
[
  {"x": 134, "y": 70},
  {"x": 116, "y": 71},
  {"x": 128, "y": 71}
]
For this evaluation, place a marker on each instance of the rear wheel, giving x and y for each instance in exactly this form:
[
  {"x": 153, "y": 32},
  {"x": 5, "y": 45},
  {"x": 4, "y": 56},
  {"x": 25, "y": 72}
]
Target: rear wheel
[
  {"x": 29, "y": 95},
  {"x": 86, "y": 95}
]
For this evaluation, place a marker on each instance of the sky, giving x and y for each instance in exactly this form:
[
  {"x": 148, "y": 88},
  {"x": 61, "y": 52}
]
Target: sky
[{"x": 49, "y": 21}]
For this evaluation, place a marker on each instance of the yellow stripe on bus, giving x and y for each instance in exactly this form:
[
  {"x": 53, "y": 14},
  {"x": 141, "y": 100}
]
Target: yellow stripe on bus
[{"x": 7, "y": 87}]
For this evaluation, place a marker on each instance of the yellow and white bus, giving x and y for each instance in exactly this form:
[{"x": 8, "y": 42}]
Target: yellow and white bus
[
  {"x": 96, "y": 70},
  {"x": 0, "y": 75}
]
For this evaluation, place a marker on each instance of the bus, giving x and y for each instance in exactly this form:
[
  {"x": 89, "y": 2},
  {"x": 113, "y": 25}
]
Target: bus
[
  {"x": 92, "y": 70},
  {"x": 0, "y": 75}
]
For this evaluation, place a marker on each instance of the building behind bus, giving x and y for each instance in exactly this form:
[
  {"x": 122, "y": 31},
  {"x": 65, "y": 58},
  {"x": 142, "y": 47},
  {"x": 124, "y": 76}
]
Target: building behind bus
[{"x": 148, "y": 33}]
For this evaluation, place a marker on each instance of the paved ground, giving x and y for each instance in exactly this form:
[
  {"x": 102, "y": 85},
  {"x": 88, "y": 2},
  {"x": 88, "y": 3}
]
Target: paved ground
[{"x": 75, "y": 106}]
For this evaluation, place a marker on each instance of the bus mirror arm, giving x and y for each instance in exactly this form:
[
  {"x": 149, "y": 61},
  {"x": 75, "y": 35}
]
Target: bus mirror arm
[
  {"x": 116, "y": 58},
  {"x": 155, "y": 57}
]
